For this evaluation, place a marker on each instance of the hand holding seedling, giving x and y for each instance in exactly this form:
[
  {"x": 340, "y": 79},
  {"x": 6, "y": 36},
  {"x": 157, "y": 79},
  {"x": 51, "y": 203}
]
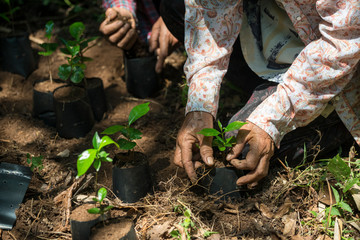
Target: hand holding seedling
[
  {"x": 257, "y": 159},
  {"x": 187, "y": 140},
  {"x": 120, "y": 27}
]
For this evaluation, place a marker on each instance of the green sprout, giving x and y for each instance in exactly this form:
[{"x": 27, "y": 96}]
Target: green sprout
[
  {"x": 49, "y": 48},
  {"x": 101, "y": 209},
  {"x": 35, "y": 162},
  {"x": 129, "y": 134},
  {"x": 73, "y": 71},
  {"x": 94, "y": 156}
]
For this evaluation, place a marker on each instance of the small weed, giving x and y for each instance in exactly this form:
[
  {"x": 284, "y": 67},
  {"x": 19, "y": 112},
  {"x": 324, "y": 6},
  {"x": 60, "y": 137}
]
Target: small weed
[
  {"x": 35, "y": 162},
  {"x": 101, "y": 209}
]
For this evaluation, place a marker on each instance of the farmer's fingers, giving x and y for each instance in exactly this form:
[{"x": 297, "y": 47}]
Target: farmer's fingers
[
  {"x": 119, "y": 35},
  {"x": 128, "y": 40},
  {"x": 240, "y": 143},
  {"x": 206, "y": 151},
  {"x": 256, "y": 175},
  {"x": 108, "y": 29},
  {"x": 177, "y": 156},
  {"x": 154, "y": 37},
  {"x": 110, "y": 14},
  {"x": 186, "y": 157}
]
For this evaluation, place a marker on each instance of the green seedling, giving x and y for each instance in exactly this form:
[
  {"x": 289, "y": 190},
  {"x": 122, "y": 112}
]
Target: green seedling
[
  {"x": 94, "y": 156},
  {"x": 100, "y": 208},
  {"x": 49, "y": 48},
  {"x": 220, "y": 141},
  {"x": 188, "y": 225},
  {"x": 35, "y": 162},
  {"x": 129, "y": 134},
  {"x": 8, "y": 16},
  {"x": 73, "y": 71}
]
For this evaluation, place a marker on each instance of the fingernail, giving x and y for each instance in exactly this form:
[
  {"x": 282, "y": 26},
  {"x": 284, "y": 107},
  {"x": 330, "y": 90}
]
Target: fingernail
[
  {"x": 210, "y": 160},
  {"x": 229, "y": 157}
]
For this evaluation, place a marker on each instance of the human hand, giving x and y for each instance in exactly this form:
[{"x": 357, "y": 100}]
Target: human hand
[
  {"x": 257, "y": 159},
  {"x": 119, "y": 26},
  {"x": 162, "y": 42},
  {"x": 188, "y": 138}
]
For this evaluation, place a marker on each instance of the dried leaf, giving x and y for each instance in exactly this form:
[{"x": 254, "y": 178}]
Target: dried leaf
[
  {"x": 338, "y": 229},
  {"x": 324, "y": 196},
  {"x": 265, "y": 211},
  {"x": 64, "y": 154},
  {"x": 284, "y": 209},
  {"x": 355, "y": 192},
  {"x": 290, "y": 224}
]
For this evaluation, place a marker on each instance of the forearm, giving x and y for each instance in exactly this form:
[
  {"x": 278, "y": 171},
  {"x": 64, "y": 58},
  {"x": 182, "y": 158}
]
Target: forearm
[
  {"x": 210, "y": 32},
  {"x": 319, "y": 73}
]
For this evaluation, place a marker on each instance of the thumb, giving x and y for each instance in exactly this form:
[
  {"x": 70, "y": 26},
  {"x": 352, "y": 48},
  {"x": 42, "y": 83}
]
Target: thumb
[
  {"x": 206, "y": 151},
  {"x": 236, "y": 150},
  {"x": 110, "y": 14}
]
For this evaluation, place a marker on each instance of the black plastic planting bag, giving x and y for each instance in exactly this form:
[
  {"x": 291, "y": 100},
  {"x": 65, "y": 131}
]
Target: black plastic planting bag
[
  {"x": 14, "y": 181},
  {"x": 16, "y": 55}
]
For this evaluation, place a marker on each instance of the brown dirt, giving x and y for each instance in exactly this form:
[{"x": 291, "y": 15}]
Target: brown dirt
[
  {"x": 54, "y": 192},
  {"x": 80, "y": 213}
]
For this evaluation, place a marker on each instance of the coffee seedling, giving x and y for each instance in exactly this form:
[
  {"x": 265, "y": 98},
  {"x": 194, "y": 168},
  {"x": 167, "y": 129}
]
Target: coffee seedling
[
  {"x": 130, "y": 134},
  {"x": 101, "y": 209},
  {"x": 48, "y": 47},
  {"x": 73, "y": 71},
  {"x": 35, "y": 162},
  {"x": 94, "y": 156},
  {"x": 220, "y": 141}
]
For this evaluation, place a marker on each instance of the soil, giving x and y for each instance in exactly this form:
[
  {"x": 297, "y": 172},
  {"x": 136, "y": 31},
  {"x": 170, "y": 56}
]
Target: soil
[
  {"x": 80, "y": 213},
  {"x": 54, "y": 192},
  {"x": 113, "y": 230},
  {"x": 47, "y": 86},
  {"x": 129, "y": 159},
  {"x": 69, "y": 93}
]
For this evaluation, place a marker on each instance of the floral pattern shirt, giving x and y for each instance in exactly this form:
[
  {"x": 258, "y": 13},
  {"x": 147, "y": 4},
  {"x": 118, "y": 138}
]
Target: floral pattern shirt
[
  {"x": 325, "y": 71},
  {"x": 144, "y": 12}
]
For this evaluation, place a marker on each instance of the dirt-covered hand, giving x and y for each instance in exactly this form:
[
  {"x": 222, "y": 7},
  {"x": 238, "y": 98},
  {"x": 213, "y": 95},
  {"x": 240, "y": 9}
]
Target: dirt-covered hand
[
  {"x": 162, "y": 42},
  {"x": 257, "y": 159},
  {"x": 119, "y": 26},
  {"x": 188, "y": 139}
]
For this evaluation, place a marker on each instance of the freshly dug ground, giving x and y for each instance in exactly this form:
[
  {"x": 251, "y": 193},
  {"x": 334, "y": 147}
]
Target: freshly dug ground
[{"x": 274, "y": 210}]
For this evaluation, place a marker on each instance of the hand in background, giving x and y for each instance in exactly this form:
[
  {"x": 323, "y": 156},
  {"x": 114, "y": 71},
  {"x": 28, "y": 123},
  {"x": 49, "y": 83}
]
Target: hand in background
[
  {"x": 120, "y": 27},
  {"x": 162, "y": 42}
]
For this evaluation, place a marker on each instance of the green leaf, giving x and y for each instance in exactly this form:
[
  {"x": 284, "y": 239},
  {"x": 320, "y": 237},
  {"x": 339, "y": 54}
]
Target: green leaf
[
  {"x": 335, "y": 211},
  {"x": 97, "y": 164},
  {"x": 86, "y": 59},
  {"x": 76, "y": 30},
  {"x": 125, "y": 144},
  {"x": 74, "y": 50},
  {"x": 49, "y": 48},
  {"x": 187, "y": 213},
  {"x": 85, "y": 43},
  {"x": 231, "y": 140},
  {"x": 94, "y": 211},
  {"x": 336, "y": 194},
  {"x": 175, "y": 234},
  {"x": 103, "y": 154},
  {"x": 96, "y": 141},
  {"x": 221, "y": 148},
  {"x": 314, "y": 213},
  {"x": 106, "y": 140},
  {"x": 49, "y": 26},
  {"x": 101, "y": 194},
  {"x": 220, "y": 126},
  {"x": 78, "y": 75},
  {"x": 349, "y": 184},
  {"x": 339, "y": 168},
  {"x": 107, "y": 208},
  {"x": 85, "y": 160},
  {"x": 65, "y": 51},
  {"x": 234, "y": 126},
  {"x": 131, "y": 133},
  {"x": 208, "y": 233},
  {"x": 64, "y": 72},
  {"x": 113, "y": 129},
  {"x": 137, "y": 112},
  {"x": 209, "y": 132},
  {"x": 345, "y": 207}
]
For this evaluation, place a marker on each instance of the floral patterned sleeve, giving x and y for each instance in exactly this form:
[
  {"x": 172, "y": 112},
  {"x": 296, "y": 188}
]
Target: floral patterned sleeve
[
  {"x": 320, "y": 72},
  {"x": 127, "y": 4},
  {"x": 211, "y": 28}
]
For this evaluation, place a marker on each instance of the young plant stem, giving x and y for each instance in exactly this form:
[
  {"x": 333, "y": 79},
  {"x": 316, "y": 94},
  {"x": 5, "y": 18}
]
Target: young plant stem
[
  {"x": 49, "y": 66},
  {"x": 96, "y": 180}
]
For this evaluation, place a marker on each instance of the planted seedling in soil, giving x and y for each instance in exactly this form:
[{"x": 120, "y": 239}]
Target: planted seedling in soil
[
  {"x": 49, "y": 47},
  {"x": 73, "y": 71},
  {"x": 220, "y": 141},
  {"x": 9, "y": 15},
  {"x": 94, "y": 156},
  {"x": 129, "y": 134},
  {"x": 100, "y": 208}
]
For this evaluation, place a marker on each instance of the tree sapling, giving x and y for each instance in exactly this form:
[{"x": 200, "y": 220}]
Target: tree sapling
[
  {"x": 48, "y": 47},
  {"x": 35, "y": 162},
  {"x": 130, "y": 134},
  {"x": 102, "y": 208},
  {"x": 73, "y": 71},
  {"x": 94, "y": 156}
]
